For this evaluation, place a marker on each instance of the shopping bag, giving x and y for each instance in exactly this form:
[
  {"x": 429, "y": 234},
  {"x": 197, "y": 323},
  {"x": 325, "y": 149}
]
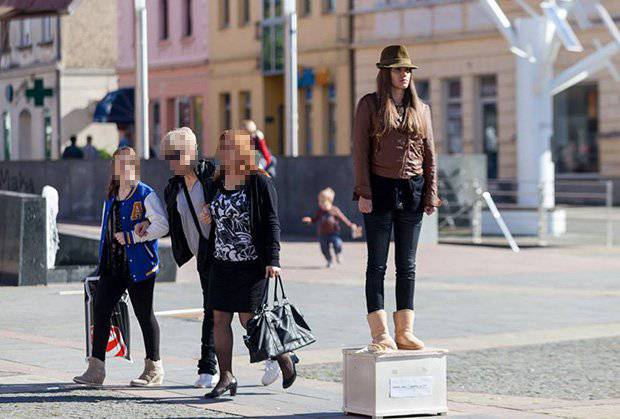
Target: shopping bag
[
  {"x": 356, "y": 232},
  {"x": 278, "y": 329},
  {"x": 119, "y": 343}
]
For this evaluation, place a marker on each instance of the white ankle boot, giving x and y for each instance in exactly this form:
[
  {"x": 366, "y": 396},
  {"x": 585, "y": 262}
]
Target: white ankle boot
[{"x": 153, "y": 374}]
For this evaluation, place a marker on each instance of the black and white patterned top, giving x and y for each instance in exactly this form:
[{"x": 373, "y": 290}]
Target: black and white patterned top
[{"x": 233, "y": 238}]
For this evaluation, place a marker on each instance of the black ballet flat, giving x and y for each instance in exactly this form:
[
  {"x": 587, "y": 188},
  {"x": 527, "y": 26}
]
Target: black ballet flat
[
  {"x": 287, "y": 382},
  {"x": 218, "y": 391}
]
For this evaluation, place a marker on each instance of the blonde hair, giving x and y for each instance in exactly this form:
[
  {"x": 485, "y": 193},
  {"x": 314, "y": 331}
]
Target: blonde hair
[
  {"x": 180, "y": 139},
  {"x": 329, "y": 194},
  {"x": 249, "y": 125}
]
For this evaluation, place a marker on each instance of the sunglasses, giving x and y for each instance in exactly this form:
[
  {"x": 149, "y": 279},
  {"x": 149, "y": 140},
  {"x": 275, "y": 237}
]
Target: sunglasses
[{"x": 173, "y": 155}]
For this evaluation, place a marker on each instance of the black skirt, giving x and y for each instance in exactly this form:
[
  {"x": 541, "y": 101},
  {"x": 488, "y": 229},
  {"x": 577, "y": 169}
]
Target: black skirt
[{"x": 237, "y": 287}]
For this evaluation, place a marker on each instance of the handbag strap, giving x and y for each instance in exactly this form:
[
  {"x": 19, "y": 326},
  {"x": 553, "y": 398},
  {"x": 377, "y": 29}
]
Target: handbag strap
[
  {"x": 275, "y": 291},
  {"x": 265, "y": 300},
  {"x": 190, "y": 204}
]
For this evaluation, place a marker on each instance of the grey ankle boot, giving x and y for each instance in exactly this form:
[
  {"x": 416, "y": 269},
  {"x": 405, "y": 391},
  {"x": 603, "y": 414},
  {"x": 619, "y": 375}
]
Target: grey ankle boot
[
  {"x": 153, "y": 374},
  {"x": 94, "y": 375}
]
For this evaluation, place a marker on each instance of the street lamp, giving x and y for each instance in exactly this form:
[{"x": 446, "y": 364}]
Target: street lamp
[
  {"x": 141, "y": 118},
  {"x": 290, "y": 77}
]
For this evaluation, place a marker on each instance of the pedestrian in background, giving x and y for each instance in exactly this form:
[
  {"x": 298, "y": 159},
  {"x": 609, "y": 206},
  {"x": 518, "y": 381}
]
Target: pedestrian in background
[
  {"x": 266, "y": 160},
  {"x": 328, "y": 217},
  {"x": 90, "y": 152},
  {"x": 132, "y": 222},
  {"x": 395, "y": 183},
  {"x": 72, "y": 151},
  {"x": 244, "y": 215}
]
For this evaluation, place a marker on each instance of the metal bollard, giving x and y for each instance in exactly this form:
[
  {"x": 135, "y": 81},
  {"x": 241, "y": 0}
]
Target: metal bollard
[
  {"x": 609, "y": 203},
  {"x": 542, "y": 217}
]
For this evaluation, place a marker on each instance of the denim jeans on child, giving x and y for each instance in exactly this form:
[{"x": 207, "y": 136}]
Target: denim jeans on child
[{"x": 335, "y": 241}]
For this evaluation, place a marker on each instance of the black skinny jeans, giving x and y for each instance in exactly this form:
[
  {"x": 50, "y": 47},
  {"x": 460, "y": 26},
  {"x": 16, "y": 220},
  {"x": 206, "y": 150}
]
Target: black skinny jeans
[
  {"x": 109, "y": 291},
  {"x": 207, "y": 363},
  {"x": 407, "y": 225}
]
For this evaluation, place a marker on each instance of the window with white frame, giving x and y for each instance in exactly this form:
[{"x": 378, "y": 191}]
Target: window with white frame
[
  {"x": 244, "y": 12},
  {"x": 25, "y": 35},
  {"x": 305, "y": 7},
  {"x": 224, "y": 13},
  {"x": 487, "y": 86},
  {"x": 245, "y": 104},
  {"x": 163, "y": 20},
  {"x": 453, "y": 115},
  {"x": 6, "y": 135},
  {"x": 422, "y": 88},
  {"x": 46, "y": 29},
  {"x": 329, "y": 6},
  {"x": 155, "y": 124},
  {"x": 225, "y": 111},
  {"x": 187, "y": 18}
]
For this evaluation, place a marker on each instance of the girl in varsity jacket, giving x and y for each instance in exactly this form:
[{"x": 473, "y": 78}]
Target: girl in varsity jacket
[{"x": 133, "y": 219}]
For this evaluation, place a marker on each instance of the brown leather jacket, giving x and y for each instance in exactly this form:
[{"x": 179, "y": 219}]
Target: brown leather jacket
[{"x": 397, "y": 155}]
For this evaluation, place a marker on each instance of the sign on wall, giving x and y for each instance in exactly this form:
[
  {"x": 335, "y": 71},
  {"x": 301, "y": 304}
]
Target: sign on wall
[{"x": 39, "y": 92}]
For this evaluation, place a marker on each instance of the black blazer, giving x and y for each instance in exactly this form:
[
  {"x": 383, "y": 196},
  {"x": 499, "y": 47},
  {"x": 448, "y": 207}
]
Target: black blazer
[
  {"x": 204, "y": 171},
  {"x": 264, "y": 220}
]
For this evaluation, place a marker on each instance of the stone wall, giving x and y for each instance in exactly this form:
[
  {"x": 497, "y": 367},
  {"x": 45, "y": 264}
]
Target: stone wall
[
  {"x": 81, "y": 186},
  {"x": 22, "y": 239}
]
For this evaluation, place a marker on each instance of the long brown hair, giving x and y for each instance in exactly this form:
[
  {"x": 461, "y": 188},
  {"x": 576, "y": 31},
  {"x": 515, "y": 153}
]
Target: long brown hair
[
  {"x": 244, "y": 149},
  {"x": 114, "y": 183},
  {"x": 387, "y": 112}
]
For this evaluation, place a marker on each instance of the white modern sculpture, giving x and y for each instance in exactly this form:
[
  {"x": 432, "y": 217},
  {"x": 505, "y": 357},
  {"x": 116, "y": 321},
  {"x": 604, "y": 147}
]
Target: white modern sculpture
[
  {"x": 536, "y": 41},
  {"x": 53, "y": 241}
]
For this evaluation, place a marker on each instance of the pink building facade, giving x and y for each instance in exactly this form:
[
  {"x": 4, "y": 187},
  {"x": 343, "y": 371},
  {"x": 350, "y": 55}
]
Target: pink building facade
[{"x": 178, "y": 64}]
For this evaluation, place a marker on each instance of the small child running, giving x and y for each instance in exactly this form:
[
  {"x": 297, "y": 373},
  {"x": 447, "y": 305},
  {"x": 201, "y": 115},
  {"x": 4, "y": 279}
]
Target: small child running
[{"x": 328, "y": 217}]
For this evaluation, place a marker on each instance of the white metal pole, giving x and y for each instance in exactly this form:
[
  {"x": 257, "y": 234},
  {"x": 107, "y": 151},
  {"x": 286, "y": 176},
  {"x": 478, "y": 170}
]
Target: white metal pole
[
  {"x": 141, "y": 119},
  {"x": 290, "y": 77},
  {"x": 609, "y": 203},
  {"x": 500, "y": 222}
]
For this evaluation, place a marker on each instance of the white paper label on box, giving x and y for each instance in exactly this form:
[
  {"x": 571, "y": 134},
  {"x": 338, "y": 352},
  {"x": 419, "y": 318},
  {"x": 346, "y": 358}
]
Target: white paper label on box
[{"x": 403, "y": 387}]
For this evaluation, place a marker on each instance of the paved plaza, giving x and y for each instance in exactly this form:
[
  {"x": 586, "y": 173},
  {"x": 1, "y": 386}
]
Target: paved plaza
[{"x": 534, "y": 334}]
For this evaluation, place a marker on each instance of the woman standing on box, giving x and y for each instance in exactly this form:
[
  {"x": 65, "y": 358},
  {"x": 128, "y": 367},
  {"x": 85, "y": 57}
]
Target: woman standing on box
[
  {"x": 246, "y": 250},
  {"x": 133, "y": 219},
  {"x": 395, "y": 184}
]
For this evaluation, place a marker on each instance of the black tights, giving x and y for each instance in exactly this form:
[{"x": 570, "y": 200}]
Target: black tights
[
  {"x": 407, "y": 226},
  {"x": 223, "y": 334},
  {"x": 109, "y": 291},
  {"x": 224, "y": 344}
]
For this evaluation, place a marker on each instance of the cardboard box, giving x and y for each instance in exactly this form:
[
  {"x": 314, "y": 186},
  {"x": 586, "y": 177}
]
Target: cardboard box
[{"x": 395, "y": 384}]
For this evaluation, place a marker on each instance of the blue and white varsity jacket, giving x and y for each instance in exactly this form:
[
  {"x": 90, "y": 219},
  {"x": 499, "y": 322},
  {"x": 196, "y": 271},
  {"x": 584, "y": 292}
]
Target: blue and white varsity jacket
[{"x": 141, "y": 204}]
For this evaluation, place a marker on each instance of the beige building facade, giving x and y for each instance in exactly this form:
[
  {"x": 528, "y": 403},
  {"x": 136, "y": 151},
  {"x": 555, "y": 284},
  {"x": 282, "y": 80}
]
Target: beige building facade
[
  {"x": 53, "y": 71},
  {"x": 468, "y": 76},
  {"x": 178, "y": 51},
  {"x": 246, "y": 81}
]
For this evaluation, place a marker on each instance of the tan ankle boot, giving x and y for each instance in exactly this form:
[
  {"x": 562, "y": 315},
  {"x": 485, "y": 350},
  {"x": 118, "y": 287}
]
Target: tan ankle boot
[
  {"x": 94, "y": 375},
  {"x": 153, "y": 374},
  {"x": 381, "y": 339},
  {"x": 403, "y": 325}
]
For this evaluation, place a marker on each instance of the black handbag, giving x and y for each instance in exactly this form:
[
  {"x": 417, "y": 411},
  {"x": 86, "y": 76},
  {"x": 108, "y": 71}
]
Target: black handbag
[{"x": 278, "y": 329}]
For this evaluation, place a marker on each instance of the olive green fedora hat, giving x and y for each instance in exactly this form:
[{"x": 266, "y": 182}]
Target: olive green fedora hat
[{"x": 395, "y": 56}]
